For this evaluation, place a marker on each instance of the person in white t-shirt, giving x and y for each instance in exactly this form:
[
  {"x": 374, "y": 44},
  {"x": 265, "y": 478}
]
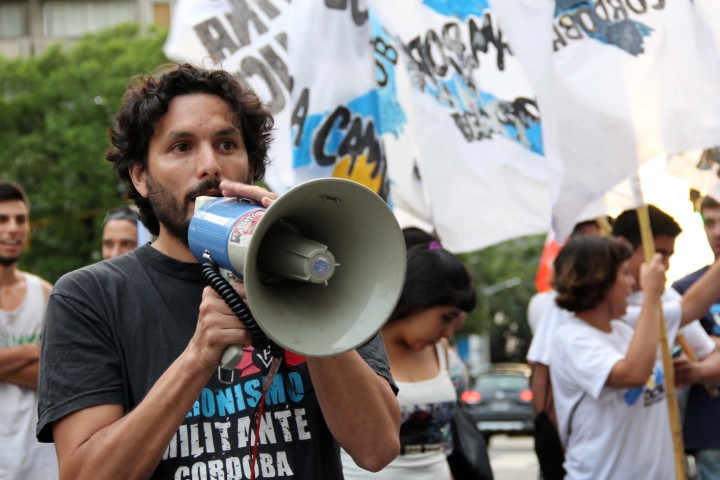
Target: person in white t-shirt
[
  {"x": 665, "y": 231},
  {"x": 544, "y": 317},
  {"x": 608, "y": 385},
  {"x": 574, "y": 353}
]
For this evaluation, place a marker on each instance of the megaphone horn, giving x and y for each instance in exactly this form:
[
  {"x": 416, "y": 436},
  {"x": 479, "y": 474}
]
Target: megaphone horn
[{"x": 323, "y": 266}]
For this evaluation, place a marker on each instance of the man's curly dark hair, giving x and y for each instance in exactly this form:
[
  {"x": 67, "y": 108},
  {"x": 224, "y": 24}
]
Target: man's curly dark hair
[{"x": 147, "y": 99}]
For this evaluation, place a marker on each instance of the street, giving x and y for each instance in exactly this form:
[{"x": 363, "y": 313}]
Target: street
[{"x": 513, "y": 458}]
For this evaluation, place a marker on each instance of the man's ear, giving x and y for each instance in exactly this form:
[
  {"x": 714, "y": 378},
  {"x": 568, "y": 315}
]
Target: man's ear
[{"x": 138, "y": 175}]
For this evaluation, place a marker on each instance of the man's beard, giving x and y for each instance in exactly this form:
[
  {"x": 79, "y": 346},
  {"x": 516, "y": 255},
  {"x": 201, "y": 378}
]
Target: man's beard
[
  {"x": 170, "y": 212},
  {"x": 8, "y": 261}
]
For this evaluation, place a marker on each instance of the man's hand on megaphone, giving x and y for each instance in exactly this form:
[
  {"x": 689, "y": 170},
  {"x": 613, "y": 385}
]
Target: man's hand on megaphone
[
  {"x": 258, "y": 194},
  {"x": 217, "y": 327}
]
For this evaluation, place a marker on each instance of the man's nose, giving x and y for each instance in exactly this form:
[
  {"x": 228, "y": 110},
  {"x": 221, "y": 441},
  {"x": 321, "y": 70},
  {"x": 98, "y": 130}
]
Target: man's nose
[
  {"x": 14, "y": 225},
  {"x": 666, "y": 261},
  {"x": 208, "y": 163},
  {"x": 715, "y": 231}
]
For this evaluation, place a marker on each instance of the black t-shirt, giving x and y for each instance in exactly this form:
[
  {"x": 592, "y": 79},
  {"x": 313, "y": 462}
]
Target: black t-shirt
[{"x": 114, "y": 327}]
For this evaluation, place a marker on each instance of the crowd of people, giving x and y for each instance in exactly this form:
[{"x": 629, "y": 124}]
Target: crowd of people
[
  {"x": 599, "y": 382},
  {"x": 113, "y": 371}
]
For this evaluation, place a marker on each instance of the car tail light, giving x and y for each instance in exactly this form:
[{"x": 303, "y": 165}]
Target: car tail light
[
  {"x": 471, "y": 396},
  {"x": 526, "y": 396}
]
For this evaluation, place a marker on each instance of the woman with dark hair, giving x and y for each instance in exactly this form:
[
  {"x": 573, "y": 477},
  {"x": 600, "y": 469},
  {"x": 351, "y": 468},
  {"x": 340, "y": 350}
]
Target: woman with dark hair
[
  {"x": 607, "y": 380},
  {"x": 436, "y": 296}
]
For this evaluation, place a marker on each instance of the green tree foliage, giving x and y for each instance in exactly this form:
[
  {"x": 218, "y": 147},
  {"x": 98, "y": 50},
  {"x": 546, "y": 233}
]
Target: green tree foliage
[
  {"x": 55, "y": 112},
  {"x": 504, "y": 276}
]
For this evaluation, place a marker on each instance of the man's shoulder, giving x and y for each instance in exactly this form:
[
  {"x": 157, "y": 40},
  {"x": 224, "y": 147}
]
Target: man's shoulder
[
  {"x": 44, "y": 284},
  {"x": 545, "y": 296},
  {"x": 538, "y": 307},
  {"x": 46, "y": 287},
  {"x": 115, "y": 269},
  {"x": 684, "y": 283}
]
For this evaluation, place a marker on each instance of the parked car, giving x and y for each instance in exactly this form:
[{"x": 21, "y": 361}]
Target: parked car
[{"x": 500, "y": 400}]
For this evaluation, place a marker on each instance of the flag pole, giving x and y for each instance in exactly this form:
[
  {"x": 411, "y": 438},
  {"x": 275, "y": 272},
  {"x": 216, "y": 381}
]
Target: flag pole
[
  {"x": 672, "y": 401},
  {"x": 604, "y": 225}
]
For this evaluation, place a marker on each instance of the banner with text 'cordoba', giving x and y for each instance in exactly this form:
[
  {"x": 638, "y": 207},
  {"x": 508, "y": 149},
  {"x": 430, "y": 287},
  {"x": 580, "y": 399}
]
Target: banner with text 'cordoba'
[{"x": 628, "y": 80}]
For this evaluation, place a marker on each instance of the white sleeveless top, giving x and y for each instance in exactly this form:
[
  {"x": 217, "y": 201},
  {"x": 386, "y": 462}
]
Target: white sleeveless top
[
  {"x": 21, "y": 455},
  {"x": 426, "y": 409}
]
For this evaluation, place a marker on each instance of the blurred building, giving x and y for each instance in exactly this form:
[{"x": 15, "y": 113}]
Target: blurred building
[{"x": 29, "y": 27}]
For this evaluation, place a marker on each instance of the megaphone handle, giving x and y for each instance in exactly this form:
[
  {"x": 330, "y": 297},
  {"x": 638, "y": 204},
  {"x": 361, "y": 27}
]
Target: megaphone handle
[
  {"x": 231, "y": 357},
  {"x": 223, "y": 288}
]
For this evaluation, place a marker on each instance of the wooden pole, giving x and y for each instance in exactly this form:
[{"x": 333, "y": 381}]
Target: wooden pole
[
  {"x": 648, "y": 244},
  {"x": 604, "y": 225}
]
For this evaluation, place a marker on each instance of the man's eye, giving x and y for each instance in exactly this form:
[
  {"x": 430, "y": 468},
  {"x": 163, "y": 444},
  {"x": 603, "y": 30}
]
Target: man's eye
[
  {"x": 180, "y": 147},
  {"x": 226, "y": 145}
]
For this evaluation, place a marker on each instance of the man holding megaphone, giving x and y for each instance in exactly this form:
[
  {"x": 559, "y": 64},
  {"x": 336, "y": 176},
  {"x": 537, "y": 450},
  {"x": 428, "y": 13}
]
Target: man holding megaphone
[{"x": 128, "y": 386}]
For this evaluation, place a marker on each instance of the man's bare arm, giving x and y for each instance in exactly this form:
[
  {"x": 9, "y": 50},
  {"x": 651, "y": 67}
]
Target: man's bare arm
[
  {"x": 359, "y": 407},
  {"x": 705, "y": 371},
  {"x": 14, "y": 359},
  {"x": 104, "y": 442},
  {"x": 698, "y": 299},
  {"x": 634, "y": 370},
  {"x": 25, "y": 377}
]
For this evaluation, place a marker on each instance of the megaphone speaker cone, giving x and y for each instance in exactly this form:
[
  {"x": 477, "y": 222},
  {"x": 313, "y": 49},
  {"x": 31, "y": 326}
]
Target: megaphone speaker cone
[
  {"x": 284, "y": 254},
  {"x": 323, "y": 266}
]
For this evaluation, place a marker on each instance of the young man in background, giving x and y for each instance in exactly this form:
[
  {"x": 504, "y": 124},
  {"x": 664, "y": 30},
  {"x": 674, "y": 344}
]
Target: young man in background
[{"x": 23, "y": 297}]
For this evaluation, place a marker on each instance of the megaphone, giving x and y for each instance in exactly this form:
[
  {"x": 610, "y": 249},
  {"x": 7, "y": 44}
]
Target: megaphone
[{"x": 323, "y": 266}]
